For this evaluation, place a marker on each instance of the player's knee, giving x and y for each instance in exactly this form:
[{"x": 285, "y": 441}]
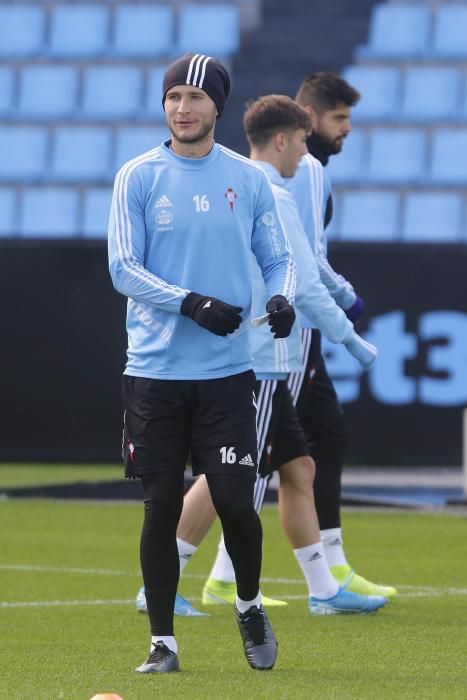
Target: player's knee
[
  {"x": 231, "y": 507},
  {"x": 163, "y": 500},
  {"x": 234, "y": 509},
  {"x": 309, "y": 470},
  {"x": 298, "y": 474},
  {"x": 232, "y": 496},
  {"x": 161, "y": 514}
]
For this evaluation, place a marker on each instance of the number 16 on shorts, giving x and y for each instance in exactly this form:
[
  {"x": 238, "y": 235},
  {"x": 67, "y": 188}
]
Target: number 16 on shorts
[{"x": 228, "y": 455}]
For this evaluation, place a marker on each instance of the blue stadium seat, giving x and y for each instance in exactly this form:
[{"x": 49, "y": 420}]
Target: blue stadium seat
[
  {"x": 143, "y": 30},
  {"x": 49, "y": 213},
  {"x": 23, "y": 152},
  {"x": 112, "y": 92},
  {"x": 450, "y": 40},
  {"x": 6, "y": 89},
  {"x": 211, "y": 29},
  {"x": 7, "y": 212},
  {"x": 79, "y": 30},
  {"x": 134, "y": 141},
  {"x": 464, "y": 101},
  {"x": 154, "y": 92},
  {"x": 380, "y": 87},
  {"x": 370, "y": 215},
  {"x": 398, "y": 30},
  {"x": 81, "y": 153},
  {"x": 97, "y": 203},
  {"x": 432, "y": 93},
  {"x": 397, "y": 155},
  {"x": 349, "y": 165},
  {"x": 47, "y": 91},
  {"x": 433, "y": 217},
  {"x": 21, "y": 30},
  {"x": 449, "y": 156}
]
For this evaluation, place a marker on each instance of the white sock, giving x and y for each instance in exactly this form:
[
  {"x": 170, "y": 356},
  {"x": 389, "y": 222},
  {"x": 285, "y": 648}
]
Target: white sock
[
  {"x": 244, "y": 605},
  {"x": 185, "y": 552},
  {"x": 312, "y": 560},
  {"x": 169, "y": 642},
  {"x": 334, "y": 546},
  {"x": 222, "y": 569}
]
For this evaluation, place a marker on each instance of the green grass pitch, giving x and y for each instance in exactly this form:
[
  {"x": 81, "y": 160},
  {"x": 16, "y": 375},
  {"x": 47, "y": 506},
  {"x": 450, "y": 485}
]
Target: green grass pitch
[{"x": 69, "y": 574}]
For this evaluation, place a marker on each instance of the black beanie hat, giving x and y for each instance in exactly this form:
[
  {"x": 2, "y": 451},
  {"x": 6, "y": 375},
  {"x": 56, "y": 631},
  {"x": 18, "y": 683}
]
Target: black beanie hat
[{"x": 203, "y": 72}]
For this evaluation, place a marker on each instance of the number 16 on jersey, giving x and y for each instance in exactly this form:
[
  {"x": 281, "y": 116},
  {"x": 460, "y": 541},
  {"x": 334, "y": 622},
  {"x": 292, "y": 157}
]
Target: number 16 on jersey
[{"x": 201, "y": 202}]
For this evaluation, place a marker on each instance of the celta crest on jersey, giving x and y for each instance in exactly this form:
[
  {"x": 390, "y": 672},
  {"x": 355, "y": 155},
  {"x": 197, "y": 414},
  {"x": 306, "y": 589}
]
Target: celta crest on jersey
[{"x": 231, "y": 196}]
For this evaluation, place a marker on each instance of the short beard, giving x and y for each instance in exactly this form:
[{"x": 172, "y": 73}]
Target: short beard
[
  {"x": 195, "y": 138},
  {"x": 334, "y": 148}
]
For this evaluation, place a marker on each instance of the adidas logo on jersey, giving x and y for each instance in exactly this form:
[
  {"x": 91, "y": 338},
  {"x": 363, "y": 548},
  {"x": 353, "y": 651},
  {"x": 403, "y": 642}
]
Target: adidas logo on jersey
[
  {"x": 247, "y": 461},
  {"x": 164, "y": 202}
]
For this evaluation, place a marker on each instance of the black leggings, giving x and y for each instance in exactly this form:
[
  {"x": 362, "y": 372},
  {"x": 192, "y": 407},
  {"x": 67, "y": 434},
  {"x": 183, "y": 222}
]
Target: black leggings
[
  {"x": 322, "y": 420},
  {"x": 163, "y": 502}
]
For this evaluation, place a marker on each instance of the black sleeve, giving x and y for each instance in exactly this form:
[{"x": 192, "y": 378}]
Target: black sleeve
[{"x": 328, "y": 212}]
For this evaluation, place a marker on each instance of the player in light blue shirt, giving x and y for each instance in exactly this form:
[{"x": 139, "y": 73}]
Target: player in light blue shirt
[
  {"x": 185, "y": 220},
  {"x": 276, "y": 128},
  {"x": 311, "y": 188},
  {"x": 328, "y": 99},
  {"x": 277, "y": 148}
]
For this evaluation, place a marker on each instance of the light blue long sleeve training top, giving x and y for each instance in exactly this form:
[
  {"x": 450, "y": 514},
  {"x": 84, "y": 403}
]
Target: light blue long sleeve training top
[
  {"x": 189, "y": 224},
  {"x": 312, "y": 299},
  {"x": 311, "y": 187}
]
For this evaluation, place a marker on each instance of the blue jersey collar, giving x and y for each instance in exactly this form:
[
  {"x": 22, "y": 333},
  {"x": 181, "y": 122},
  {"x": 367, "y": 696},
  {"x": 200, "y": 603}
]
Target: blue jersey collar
[
  {"x": 189, "y": 163},
  {"x": 272, "y": 173}
]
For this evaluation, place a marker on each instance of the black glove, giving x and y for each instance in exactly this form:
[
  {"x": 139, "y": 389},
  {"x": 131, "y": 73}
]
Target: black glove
[
  {"x": 211, "y": 313},
  {"x": 282, "y": 316}
]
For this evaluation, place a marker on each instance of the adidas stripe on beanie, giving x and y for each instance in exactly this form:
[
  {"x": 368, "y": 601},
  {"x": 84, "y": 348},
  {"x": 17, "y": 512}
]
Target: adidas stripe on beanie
[{"x": 201, "y": 71}]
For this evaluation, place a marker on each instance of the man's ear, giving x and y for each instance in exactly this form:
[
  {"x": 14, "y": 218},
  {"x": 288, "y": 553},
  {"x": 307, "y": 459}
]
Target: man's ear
[
  {"x": 313, "y": 114},
  {"x": 280, "y": 141}
]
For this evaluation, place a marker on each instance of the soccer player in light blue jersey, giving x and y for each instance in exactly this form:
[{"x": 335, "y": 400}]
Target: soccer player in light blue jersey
[
  {"x": 186, "y": 218},
  {"x": 276, "y": 128},
  {"x": 328, "y": 99}
]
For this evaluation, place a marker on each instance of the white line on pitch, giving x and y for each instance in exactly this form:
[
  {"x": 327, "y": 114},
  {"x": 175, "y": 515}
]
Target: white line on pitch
[
  {"x": 409, "y": 591},
  {"x": 432, "y": 590},
  {"x": 115, "y": 572},
  {"x": 62, "y": 603},
  {"x": 76, "y": 603},
  {"x": 65, "y": 570}
]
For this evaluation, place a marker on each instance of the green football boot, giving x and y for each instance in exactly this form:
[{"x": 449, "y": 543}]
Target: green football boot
[
  {"x": 347, "y": 578},
  {"x": 223, "y": 592}
]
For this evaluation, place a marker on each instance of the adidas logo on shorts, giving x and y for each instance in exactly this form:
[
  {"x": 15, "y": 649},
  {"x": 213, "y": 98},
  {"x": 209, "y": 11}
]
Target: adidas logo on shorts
[{"x": 247, "y": 461}]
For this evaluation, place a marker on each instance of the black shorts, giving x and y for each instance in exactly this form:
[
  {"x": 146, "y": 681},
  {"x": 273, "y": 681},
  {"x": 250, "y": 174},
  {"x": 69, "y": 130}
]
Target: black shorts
[
  {"x": 315, "y": 397},
  {"x": 214, "y": 419},
  {"x": 280, "y": 435}
]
